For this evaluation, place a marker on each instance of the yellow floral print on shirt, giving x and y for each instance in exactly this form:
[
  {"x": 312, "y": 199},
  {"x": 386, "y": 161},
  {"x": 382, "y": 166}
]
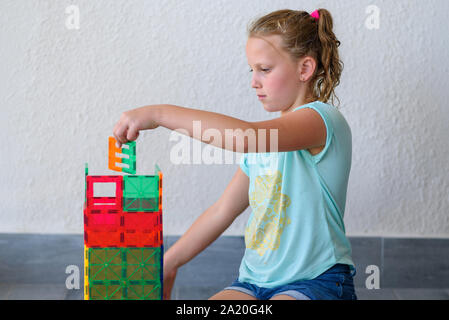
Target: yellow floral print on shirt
[{"x": 269, "y": 207}]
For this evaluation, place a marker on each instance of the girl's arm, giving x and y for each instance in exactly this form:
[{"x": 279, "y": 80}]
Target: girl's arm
[{"x": 297, "y": 130}]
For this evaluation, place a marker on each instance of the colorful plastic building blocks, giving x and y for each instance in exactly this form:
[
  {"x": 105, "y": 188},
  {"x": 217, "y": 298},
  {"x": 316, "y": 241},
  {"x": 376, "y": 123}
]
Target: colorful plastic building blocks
[{"x": 123, "y": 242}]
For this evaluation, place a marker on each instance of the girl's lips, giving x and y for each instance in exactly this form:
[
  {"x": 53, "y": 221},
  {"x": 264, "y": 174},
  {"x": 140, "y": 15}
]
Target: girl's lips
[{"x": 262, "y": 97}]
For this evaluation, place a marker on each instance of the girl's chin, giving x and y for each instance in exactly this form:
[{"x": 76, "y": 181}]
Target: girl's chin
[{"x": 270, "y": 108}]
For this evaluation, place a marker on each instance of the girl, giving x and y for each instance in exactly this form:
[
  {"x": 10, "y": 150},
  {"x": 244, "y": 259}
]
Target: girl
[{"x": 296, "y": 247}]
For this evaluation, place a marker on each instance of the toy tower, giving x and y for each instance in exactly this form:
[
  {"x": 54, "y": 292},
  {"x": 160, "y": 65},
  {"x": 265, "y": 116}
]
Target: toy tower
[{"x": 123, "y": 244}]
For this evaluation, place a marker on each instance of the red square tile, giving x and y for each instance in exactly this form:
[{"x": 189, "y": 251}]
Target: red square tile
[
  {"x": 114, "y": 203},
  {"x": 102, "y": 228}
]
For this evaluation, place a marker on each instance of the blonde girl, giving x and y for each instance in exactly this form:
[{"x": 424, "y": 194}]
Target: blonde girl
[{"x": 296, "y": 247}]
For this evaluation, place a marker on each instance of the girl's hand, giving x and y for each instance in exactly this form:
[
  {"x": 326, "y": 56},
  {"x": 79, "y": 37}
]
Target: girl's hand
[
  {"x": 169, "y": 273},
  {"x": 132, "y": 121}
]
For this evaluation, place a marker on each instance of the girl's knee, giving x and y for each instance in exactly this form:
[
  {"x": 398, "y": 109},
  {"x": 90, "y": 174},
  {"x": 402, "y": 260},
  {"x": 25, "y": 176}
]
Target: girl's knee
[{"x": 231, "y": 295}]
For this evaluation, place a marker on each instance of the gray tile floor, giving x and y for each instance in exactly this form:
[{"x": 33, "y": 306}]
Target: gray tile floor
[{"x": 34, "y": 267}]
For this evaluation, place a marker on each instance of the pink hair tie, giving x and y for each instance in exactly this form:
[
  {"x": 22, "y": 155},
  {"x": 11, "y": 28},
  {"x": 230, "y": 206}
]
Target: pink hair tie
[{"x": 315, "y": 14}]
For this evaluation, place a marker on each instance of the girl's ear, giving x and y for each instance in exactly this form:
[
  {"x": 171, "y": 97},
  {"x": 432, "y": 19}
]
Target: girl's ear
[{"x": 306, "y": 68}]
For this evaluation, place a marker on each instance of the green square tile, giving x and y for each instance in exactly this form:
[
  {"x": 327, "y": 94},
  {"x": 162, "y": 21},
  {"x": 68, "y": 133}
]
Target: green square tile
[
  {"x": 105, "y": 264},
  {"x": 143, "y": 264},
  {"x": 124, "y": 273},
  {"x": 141, "y": 193}
]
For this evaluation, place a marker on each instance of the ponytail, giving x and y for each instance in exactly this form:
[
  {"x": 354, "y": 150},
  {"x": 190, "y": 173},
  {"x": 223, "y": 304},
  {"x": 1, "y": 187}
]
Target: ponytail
[{"x": 328, "y": 76}]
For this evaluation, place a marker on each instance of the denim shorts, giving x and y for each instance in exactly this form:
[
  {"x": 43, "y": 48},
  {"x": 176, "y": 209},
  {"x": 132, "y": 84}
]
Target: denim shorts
[{"x": 334, "y": 284}]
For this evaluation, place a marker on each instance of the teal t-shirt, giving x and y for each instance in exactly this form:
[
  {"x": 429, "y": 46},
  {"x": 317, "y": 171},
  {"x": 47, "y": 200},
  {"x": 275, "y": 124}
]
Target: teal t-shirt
[{"x": 295, "y": 230}]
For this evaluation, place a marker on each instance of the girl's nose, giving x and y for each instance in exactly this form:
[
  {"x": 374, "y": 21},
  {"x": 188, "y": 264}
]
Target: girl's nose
[{"x": 255, "y": 83}]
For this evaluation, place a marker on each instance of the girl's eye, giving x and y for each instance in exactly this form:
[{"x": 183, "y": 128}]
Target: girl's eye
[{"x": 263, "y": 70}]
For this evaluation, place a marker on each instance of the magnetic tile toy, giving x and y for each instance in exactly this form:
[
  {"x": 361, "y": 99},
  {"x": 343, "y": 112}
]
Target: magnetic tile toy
[{"x": 123, "y": 239}]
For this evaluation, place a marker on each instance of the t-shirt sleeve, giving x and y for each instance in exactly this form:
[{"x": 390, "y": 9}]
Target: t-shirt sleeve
[
  {"x": 244, "y": 163},
  {"x": 329, "y": 130}
]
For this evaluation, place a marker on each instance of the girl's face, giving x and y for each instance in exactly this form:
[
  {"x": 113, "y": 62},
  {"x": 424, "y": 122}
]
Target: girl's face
[{"x": 275, "y": 75}]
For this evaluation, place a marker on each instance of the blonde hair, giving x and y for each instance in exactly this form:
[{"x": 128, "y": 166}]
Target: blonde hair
[{"x": 302, "y": 35}]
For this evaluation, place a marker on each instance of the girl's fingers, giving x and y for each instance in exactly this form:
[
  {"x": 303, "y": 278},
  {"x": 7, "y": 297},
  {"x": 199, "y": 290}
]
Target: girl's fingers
[
  {"x": 114, "y": 133},
  {"x": 117, "y": 144},
  {"x": 120, "y": 134},
  {"x": 132, "y": 134}
]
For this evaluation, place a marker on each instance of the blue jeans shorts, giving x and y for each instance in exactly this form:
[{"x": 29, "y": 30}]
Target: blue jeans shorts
[{"x": 334, "y": 284}]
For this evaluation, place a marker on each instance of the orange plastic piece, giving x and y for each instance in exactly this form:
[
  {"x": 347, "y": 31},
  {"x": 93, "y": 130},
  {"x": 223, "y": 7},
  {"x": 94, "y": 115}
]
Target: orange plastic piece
[{"x": 113, "y": 159}]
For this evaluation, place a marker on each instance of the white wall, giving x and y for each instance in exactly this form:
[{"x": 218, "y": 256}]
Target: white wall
[{"x": 61, "y": 92}]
